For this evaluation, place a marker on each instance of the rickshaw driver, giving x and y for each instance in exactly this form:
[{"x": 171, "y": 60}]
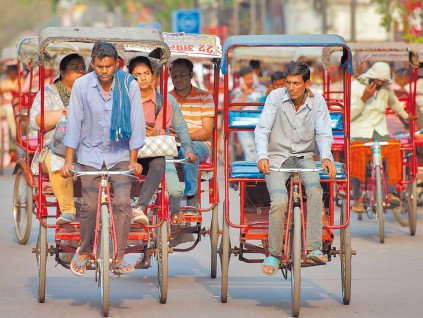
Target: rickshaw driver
[
  {"x": 106, "y": 124},
  {"x": 370, "y": 95},
  {"x": 294, "y": 125}
]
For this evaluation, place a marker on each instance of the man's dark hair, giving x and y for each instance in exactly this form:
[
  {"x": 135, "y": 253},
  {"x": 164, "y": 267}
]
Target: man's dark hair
[
  {"x": 104, "y": 49},
  {"x": 298, "y": 68},
  {"x": 185, "y": 62},
  {"x": 278, "y": 75},
  {"x": 245, "y": 70},
  {"x": 255, "y": 64}
]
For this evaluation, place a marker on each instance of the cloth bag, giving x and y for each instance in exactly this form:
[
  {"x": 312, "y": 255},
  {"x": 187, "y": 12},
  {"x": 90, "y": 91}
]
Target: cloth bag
[
  {"x": 57, "y": 145},
  {"x": 158, "y": 146}
]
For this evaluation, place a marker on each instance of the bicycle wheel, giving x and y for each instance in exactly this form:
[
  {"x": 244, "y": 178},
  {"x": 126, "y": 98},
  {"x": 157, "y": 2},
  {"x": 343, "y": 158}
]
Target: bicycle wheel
[
  {"x": 379, "y": 204},
  {"x": 412, "y": 206},
  {"x": 214, "y": 236},
  {"x": 162, "y": 261},
  {"x": 296, "y": 264},
  {"x": 224, "y": 252},
  {"x": 103, "y": 261},
  {"x": 41, "y": 255},
  {"x": 23, "y": 206},
  {"x": 345, "y": 253}
]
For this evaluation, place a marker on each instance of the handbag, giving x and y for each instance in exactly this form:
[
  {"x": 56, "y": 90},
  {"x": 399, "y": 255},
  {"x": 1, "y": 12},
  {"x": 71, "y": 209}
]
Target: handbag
[
  {"x": 57, "y": 145},
  {"x": 158, "y": 146}
]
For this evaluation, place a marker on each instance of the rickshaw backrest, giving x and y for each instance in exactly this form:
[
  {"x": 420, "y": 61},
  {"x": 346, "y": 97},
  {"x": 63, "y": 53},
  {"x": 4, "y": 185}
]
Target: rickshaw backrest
[{"x": 249, "y": 119}]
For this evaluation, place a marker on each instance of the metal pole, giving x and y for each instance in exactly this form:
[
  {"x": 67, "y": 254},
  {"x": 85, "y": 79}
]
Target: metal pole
[
  {"x": 353, "y": 11},
  {"x": 253, "y": 20},
  {"x": 263, "y": 16},
  {"x": 236, "y": 17}
]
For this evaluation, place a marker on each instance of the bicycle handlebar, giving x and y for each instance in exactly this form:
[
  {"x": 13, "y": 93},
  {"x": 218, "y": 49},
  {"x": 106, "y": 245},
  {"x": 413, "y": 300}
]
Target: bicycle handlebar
[
  {"x": 183, "y": 160},
  {"x": 101, "y": 172},
  {"x": 292, "y": 170}
]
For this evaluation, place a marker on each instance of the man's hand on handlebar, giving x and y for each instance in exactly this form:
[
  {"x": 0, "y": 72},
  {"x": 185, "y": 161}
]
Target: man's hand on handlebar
[
  {"x": 65, "y": 171},
  {"x": 192, "y": 157},
  {"x": 330, "y": 167},
  {"x": 264, "y": 166},
  {"x": 136, "y": 166}
]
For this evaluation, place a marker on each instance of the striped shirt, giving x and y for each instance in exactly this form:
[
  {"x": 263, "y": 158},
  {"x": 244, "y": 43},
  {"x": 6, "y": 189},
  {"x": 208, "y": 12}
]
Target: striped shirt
[{"x": 195, "y": 107}]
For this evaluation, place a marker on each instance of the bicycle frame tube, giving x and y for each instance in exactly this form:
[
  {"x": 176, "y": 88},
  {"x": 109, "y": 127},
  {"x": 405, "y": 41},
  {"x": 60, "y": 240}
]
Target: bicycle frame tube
[{"x": 104, "y": 198}]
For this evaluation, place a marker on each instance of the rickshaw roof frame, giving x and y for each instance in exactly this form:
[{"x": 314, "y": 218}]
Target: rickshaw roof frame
[
  {"x": 27, "y": 50},
  {"x": 285, "y": 40},
  {"x": 375, "y": 52},
  {"x": 57, "y": 40},
  {"x": 195, "y": 40}
]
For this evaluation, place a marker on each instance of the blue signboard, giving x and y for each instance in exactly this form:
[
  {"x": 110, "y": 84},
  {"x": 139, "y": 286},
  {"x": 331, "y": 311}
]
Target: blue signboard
[{"x": 188, "y": 21}]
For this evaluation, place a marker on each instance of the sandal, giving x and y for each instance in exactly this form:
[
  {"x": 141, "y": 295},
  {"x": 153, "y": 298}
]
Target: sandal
[
  {"x": 145, "y": 261},
  {"x": 273, "y": 263},
  {"x": 317, "y": 256},
  {"x": 123, "y": 268},
  {"x": 77, "y": 262}
]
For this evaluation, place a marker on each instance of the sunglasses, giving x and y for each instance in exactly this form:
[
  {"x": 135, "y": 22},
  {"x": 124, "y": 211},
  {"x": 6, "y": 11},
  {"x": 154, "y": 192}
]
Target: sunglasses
[{"x": 78, "y": 68}]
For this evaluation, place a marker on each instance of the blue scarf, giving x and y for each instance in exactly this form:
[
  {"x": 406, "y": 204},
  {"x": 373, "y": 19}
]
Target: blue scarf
[{"x": 120, "y": 128}]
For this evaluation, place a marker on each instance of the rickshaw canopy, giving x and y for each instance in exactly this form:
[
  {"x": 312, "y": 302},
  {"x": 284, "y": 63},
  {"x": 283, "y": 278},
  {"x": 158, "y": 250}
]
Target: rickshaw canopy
[
  {"x": 197, "y": 47},
  {"x": 284, "y": 40},
  {"x": 61, "y": 40},
  {"x": 27, "y": 50}
]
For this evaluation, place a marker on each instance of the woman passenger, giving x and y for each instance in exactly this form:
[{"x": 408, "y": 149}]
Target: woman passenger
[
  {"x": 154, "y": 168},
  {"x": 56, "y": 102}
]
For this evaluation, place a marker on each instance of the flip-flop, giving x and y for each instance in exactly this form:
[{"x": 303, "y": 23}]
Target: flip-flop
[
  {"x": 317, "y": 256},
  {"x": 270, "y": 261},
  {"x": 78, "y": 263},
  {"x": 117, "y": 270}
]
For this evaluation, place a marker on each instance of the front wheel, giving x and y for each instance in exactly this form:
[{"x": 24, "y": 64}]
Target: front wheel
[
  {"x": 225, "y": 253},
  {"x": 214, "y": 236},
  {"x": 41, "y": 254},
  {"x": 345, "y": 253},
  {"x": 162, "y": 261},
  {"x": 23, "y": 206},
  {"x": 296, "y": 263},
  {"x": 379, "y": 204},
  {"x": 103, "y": 261},
  {"x": 412, "y": 206}
]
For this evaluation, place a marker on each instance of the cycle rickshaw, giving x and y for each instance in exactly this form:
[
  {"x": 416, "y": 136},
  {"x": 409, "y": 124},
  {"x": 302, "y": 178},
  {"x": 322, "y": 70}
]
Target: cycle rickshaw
[
  {"x": 204, "y": 49},
  {"x": 244, "y": 179},
  {"x": 400, "y": 150},
  {"x": 26, "y": 142},
  {"x": 142, "y": 238}
]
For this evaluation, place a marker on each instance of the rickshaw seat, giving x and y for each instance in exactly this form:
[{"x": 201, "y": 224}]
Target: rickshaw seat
[
  {"x": 248, "y": 169},
  {"x": 29, "y": 142}
]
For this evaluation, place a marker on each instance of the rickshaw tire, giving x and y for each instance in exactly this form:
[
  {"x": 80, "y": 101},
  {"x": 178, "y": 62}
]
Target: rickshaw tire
[
  {"x": 296, "y": 263},
  {"x": 379, "y": 204},
  {"x": 162, "y": 261},
  {"x": 345, "y": 256},
  {"x": 412, "y": 213},
  {"x": 41, "y": 253},
  {"x": 22, "y": 210},
  {"x": 104, "y": 261},
  {"x": 225, "y": 255},
  {"x": 214, "y": 237}
]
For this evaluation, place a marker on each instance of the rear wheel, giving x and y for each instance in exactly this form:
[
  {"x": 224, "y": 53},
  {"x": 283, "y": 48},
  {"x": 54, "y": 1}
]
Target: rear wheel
[
  {"x": 41, "y": 254},
  {"x": 23, "y": 206},
  {"x": 296, "y": 264},
  {"x": 103, "y": 261},
  {"x": 379, "y": 204},
  {"x": 412, "y": 205},
  {"x": 214, "y": 236},
  {"x": 225, "y": 247},
  {"x": 162, "y": 261},
  {"x": 345, "y": 253}
]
